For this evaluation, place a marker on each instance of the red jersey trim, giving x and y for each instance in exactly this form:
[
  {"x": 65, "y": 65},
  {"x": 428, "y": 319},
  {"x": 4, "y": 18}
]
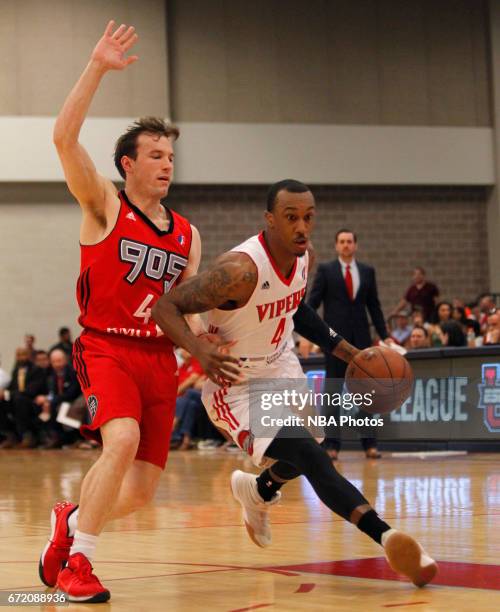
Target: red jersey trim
[{"x": 286, "y": 281}]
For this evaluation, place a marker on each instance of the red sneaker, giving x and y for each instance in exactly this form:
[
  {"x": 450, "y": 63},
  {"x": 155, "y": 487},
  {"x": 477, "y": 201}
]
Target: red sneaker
[
  {"x": 56, "y": 552},
  {"x": 78, "y": 583}
]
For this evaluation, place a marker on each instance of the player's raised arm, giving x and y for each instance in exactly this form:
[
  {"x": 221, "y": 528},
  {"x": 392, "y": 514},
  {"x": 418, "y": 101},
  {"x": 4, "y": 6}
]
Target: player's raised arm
[
  {"x": 232, "y": 278},
  {"x": 90, "y": 189}
]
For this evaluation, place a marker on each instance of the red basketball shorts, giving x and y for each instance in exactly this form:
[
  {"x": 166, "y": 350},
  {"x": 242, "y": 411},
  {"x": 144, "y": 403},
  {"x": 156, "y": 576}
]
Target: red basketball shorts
[{"x": 126, "y": 377}]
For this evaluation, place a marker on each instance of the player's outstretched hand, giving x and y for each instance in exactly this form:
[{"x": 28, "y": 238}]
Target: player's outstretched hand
[
  {"x": 110, "y": 50},
  {"x": 217, "y": 363}
]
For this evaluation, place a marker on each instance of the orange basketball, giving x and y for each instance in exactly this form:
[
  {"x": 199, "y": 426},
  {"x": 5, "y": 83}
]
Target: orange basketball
[{"x": 384, "y": 374}]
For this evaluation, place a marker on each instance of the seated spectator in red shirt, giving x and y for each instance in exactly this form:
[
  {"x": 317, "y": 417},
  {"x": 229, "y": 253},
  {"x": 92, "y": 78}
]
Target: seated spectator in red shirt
[
  {"x": 419, "y": 338},
  {"x": 421, "y": 293},
  {"x": 189, "y": 402}
]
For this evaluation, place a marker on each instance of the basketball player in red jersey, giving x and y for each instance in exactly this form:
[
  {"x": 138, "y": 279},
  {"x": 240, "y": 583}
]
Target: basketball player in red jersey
[
  {"x": 254, "y": 298},
  {"x": 133, "y": 249}
]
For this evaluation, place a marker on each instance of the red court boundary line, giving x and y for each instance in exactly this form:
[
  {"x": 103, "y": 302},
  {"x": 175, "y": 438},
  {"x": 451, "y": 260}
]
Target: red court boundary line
[
  {"x": 409, "y": 603},
  {"x": 306, "y": 587},
  {"x": 451, "y": 573},
  {"x": 255, "y": 607}
]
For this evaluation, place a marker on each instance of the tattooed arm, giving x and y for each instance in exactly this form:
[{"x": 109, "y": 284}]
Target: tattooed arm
[
  {"x": 232, "y": 278},
  {"x": 345, "y": 351}
]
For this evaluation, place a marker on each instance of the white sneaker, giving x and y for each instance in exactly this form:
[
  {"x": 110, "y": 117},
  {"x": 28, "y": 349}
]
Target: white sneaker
[
  {"x": 255, "y": 509},
  {"x": 407, "y": 557}
]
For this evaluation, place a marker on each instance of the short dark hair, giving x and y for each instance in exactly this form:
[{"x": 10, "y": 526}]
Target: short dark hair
[
  {"x": 290, "y": 185},
  {"x": 40, "y": 352},
  {"x": 64, "y": 330},
  {"x": 345, "y": 230},
  {"x": 127, "y": 143},
  {"x": 420, "y": 269}
]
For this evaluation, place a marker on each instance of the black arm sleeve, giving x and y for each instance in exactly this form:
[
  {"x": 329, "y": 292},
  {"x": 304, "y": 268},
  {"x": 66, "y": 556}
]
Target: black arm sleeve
[{"x": 309, "y": 324}]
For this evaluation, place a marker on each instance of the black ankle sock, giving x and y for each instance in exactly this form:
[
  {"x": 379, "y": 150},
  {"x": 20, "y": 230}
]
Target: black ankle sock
[
  {"x": 266, "y": 486},
  {"x": 371, "y": 524}
]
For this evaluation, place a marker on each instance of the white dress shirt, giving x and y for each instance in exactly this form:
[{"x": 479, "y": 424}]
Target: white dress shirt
[{"x": 354, "y": 274}]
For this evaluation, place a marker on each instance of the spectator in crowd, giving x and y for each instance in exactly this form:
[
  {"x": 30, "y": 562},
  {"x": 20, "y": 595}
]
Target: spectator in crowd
[
  {"x": 7, "y": 437},
  {"x": 401, "y": 331},
  {"x": 4, "y": 378},
  {"x": 27, "y": 382},
  {"x": 453, "y": 334},
  {"x": 29, "y": 343},
  {"x": 209, "y": 436},
  {"x": 459, "y": 303},
  {"x": 469, "y": 326},
  {"x": 189, "y": 402},
  {"x": 442, "y": 314},
  {"x": 492, "y": 335},
  {"x": 417, "y": 317},
  {"x": 486, "y": 304},
  {"x": 62, "y": 386},
  {"x": 419, "y": 338},
  {"x": 65, "y": 343},
  {"x": 347, "y": 289},
  {"x": 42, "y": 361},
  {"x": 421, "y": 293}
]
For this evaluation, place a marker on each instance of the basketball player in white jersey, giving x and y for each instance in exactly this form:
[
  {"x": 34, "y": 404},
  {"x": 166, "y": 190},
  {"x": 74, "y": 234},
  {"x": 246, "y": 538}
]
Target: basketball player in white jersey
[{"x": 254, "y": 297}]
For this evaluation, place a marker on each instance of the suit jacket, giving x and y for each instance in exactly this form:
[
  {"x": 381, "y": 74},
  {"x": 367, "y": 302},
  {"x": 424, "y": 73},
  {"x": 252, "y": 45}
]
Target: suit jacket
[
  {"x": 36, "y": 382},
  {"x": 71, "y": 387},
  {"x": 346, "y": 317}
]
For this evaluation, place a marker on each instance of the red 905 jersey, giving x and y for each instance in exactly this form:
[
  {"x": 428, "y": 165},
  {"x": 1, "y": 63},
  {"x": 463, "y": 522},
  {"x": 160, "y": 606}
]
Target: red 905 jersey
[{"x": 122, "y": 276}]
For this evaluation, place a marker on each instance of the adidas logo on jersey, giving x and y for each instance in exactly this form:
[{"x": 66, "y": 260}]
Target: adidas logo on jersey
[
  {"x": 130, "y": 216},
  {"x": 266, "y": 285}
]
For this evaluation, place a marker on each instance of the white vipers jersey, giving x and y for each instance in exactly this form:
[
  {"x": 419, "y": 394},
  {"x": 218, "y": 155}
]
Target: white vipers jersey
[{"x": 264, "y": 325}]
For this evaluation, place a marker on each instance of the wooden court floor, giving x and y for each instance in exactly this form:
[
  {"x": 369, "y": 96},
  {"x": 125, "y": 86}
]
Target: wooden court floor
[{"x": 190, "y": 552}]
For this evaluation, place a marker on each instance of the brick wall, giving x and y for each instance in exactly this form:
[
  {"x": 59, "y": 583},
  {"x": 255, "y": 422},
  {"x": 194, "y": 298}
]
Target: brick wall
[{"x": 441, "y": 229}]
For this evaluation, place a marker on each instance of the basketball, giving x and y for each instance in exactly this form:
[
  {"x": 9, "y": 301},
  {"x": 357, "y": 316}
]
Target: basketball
[{"x": 383, "y": 373}]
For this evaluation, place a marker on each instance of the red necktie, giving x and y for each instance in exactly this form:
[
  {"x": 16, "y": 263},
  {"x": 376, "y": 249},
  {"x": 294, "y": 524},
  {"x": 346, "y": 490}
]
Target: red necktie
[{"x": 348, "y": 283}]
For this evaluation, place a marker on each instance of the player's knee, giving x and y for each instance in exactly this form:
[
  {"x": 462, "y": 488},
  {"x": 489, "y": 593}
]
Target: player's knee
[
  {"x": 122, "y": 445},
  {"x": 307, "y": 452}
]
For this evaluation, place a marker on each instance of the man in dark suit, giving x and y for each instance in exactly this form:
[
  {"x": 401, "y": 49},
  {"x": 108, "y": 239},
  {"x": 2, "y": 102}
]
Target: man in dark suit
[
  {"x": 27, "y": 382},
  {"x": 62, "y": 386},
  {"x": 347, "y": 289}
]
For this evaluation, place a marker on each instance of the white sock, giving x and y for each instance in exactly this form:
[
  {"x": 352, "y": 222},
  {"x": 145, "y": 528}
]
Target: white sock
[
  {"x": 386, "y": 535},
  {"x": 72, "y": 520},
  {"x": 84, "y": 543}
]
